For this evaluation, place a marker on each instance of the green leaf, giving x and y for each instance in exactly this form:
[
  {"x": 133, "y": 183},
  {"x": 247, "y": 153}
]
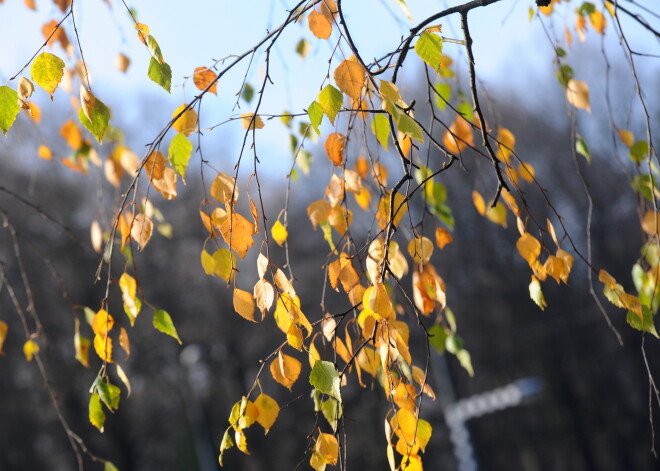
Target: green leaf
[
  {"x": 438, "y": 337},
  {"x": 465, "y": 360},
  {"x": 154, "y": 49},
  {"x": 409, "y": 126},
  {"x": 639, "y": 151},
  {"x": 330, "y": 100},
  {"x": 227, "y": 442},
  {"x": 247, "y": 93},
  {"x": 100, "y": 115},
  {"x": 179, "y": 153},
  {"x": 302, "y": 48},
  {"x": 645, "y": 324},
  {"x": 304, "y": 161},
  {"x": 582, "y": 148},
  {"x": 560, "y": 52},
  {"x": 443, "y": 96},
  {"x": 163, "y": 322},
  {"x": 564, "y": 74},
  {"x": 380, "y": 126},
  {"x": 587, "y": 8},
  {"x": 315, "y": 113},
  {"x": 332, "y": 411},
  {"x": 429, "y": 48},
  {"x": 108, "y": 466},
  {"x": 108, "y": 392},
  {"x": 47, "y": 71},
  {"x": 160, "y": 73},
  {"x": 96, "y": 414},
  {"x": 536, "y": 294},
  {"x": 221, "y": 263},
  {"x": 327, "y": 234},
  {"x": 465, "y": 109},
  {"x": 9, "y": 108},
  {"x": 444, "y": 214},
  {"x": 645, "y": 185},
  {"x": 325, "y": 378}
]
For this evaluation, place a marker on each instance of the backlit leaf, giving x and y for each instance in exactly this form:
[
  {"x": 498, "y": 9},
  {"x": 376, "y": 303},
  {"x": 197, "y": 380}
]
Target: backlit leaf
[
  {"x": 334, "y": 148},
  {"x": 179, "y": 153},
  {"x": 94, "y": 115},
  {"x": 30, "y": 347},
  {"x": 141, "y": 230},
  {"x": 319, "y": 25},
  {"x": 315, "y": 113},
  {"x": 268, "y": 411},
  {"x": 582, "y": 148},
  {"x": 285, "y": 370},
  {"x": 442, "y": 237},
  {"x": 96, "y": 414},
  {"x": 429, "y": 48},
  {"x": 161, "y": 74},
  {"x": 102, "y": 323},
  {"x": 627, "y": 137},
  {"x": 80, "y": 344},
  {"x": 203, "y": 77},
  {"x": 132, "y": 303},
  {"x": 380, "y": 126},
  {"x": 251, "y": 121},
  {"x": 221, "y": 263},
  {"x": 47, "y": 72},
  {"x": 9, "y": 108},
  {"x": 108, "y": 392},
  {"x": 459, "y": 136},
  {"x": 244, "y": 304},
  {"x": 420, "y": 249},
  {"x": 529, "y": 247},
  {"x": 598, "y": 21},
  {"x": 237, "y": 232},
  {"x": 103, "y": 347},
  {"x": 163, "y": 322},
  {"x": 224, "y": 188},
  {"x": 327, "y": 447},
  {"x": 536, "y": 294},
  {"x": 325, "y": 378},
  {"x": 350, "y": 78},
  {"x": 577, "y": 94},
  {"x": 187, "y": 122},
  {"x": 330, "y": 100},
  {"x": 279, "y": 233}
]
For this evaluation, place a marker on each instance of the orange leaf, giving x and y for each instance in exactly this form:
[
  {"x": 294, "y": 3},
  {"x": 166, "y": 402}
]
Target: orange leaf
[
  {"x": 334, "y": 148},
  {"x": 442, "y": 237},
  {"x": 71, "y": 134},
  {"x": 203, "y": 77},
  {"x": 350, "y": 78},
  {"x": 459, "y": 136},
  {"x": 237, "y": 233},
  {"x": 285, "y": 369},
  {"x": 319, "y": 25},
  {"x": 102, "y": 323},
  {"x": 3, "y": 335},
  {"x": 529, "y": 247}
]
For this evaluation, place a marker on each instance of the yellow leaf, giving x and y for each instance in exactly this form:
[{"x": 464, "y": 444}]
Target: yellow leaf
[
  {"x": 529, "y": 247},
  {"x": 405, "y": 396},
  {"x": 143, "y": 31},
  {"x": 497, "y": 214},
  {"x": 479, "y": 202},
  {"x": 459, "y": 136},
  {"x": 285, "y": 370},
  {"x": 103, "y": 347},
  {"x": 350, "y": 78},
  {"x": 526, "y": 171},
  {"x": 124, "y": 343},
  {"x": 507, "y": 144},
  {"x": 141, "y": 230},
  {"x": 383, "y": 214},
  {"x": 187, "y": 122},
  {"x": 319, "y": 25},
  {"x": 651, "y": 223},
  {"x": 283, "y": 283},
  {"x": 29, "y": 349},
  {"x": 71, "y": 134},
  {"x": 224, "y": 188},
  {"x": 420, "y": 249},
  {"x": 627, "y": 137},
  {"x": 610, "y": 8},
  {"x": 380, "y": 173},
  {"x": 318, "y": 212},
  {"x": 404, "y": 425},
  {"x": 251, "y": 121},
  {"x": 244, "y": 304},
  {"x": 334, "y": 148},
  {"x": 568, "y": 264},
  {"x": 577, "y": 94},
  {"x": 442, "y": 237},
  {"x": 132, "y": 304},
  {"x": 598, "y": 21},
  {"x": 237, "y": 232},
  {"x": 327, "y": 447},
  {"x": 102, "y": 323},
  {"x": 510, "y": 202},
  {"x": 377, "y": 299},
  {"x": 4, "y": 327},
  {"x": 606, "y": 279},
  {"x": 279, "y": 233},
  {"x": 44, "y": 152},
  {"x": 203, "y": 77},
  {"x": 268, "y": 411},
  {"x": 554, "y": 266}
]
